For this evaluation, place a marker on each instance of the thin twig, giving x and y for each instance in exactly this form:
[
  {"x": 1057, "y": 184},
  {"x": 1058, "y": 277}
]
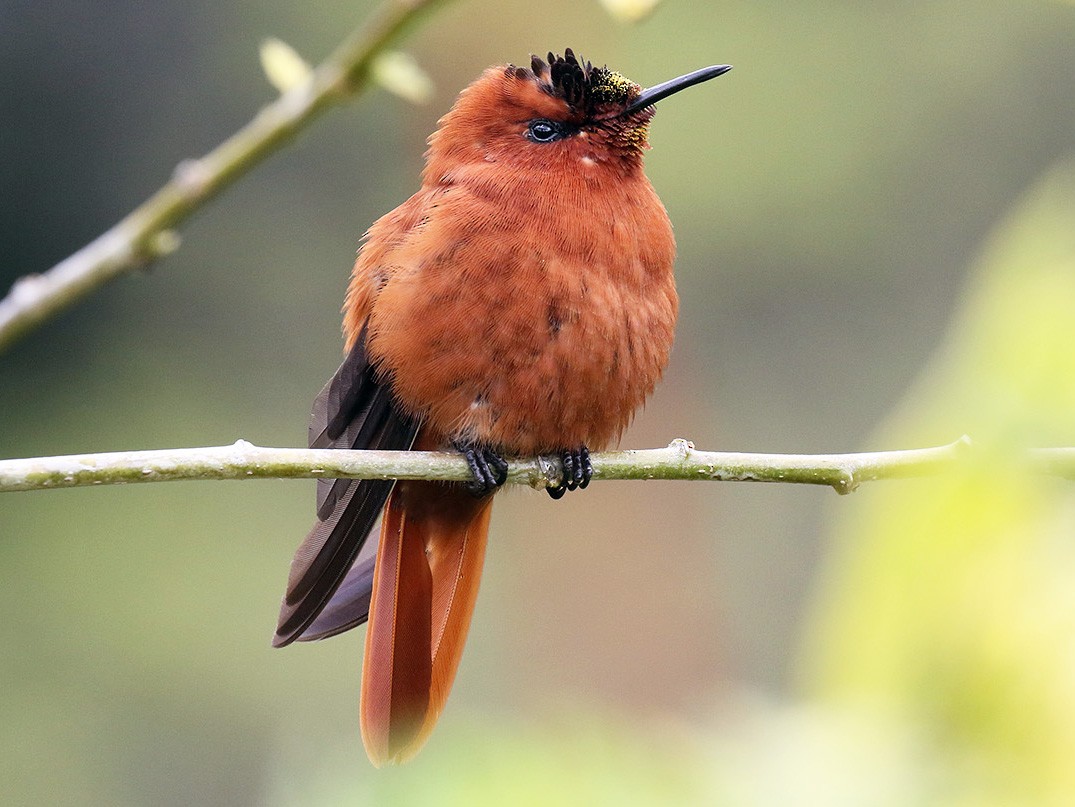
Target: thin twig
[
  {"x": 680, "y": 460},
  {"x": 147, "y": 232}
]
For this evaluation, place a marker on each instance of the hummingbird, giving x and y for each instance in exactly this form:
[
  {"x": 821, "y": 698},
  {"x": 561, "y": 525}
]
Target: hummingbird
[{"x": 521, "y": 303}]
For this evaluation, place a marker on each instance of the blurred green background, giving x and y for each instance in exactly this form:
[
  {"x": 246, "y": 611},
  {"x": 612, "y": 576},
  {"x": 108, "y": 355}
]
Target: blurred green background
[{"x": 876, "y": 220}]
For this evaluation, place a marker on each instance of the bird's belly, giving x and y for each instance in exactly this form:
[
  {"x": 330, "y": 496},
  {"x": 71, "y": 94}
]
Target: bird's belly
[{"x": 547, "y": 360}]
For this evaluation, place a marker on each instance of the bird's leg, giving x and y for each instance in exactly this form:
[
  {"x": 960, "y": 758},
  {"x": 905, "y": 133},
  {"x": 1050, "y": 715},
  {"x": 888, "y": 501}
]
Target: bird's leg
[
  {"x": 488, "y": 468},
  {"x": 577, "y": 471}
]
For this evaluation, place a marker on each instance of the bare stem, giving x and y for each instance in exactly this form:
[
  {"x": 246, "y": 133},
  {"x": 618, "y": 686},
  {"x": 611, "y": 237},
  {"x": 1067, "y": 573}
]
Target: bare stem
[
  {"x": 680, "y": 460},
  {"x": 146, "y": 233}
]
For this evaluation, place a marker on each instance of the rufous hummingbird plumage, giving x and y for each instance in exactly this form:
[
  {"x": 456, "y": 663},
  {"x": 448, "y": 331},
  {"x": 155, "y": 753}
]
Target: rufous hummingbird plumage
[{"x": 522, "y": 302}]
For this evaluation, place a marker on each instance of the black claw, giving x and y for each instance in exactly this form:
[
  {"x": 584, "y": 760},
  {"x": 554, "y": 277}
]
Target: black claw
[
  {"x": 585, "y": 466},
  {"x": 498, "y": 464},
  {"x": 577, "y": 471},
  {"x": 488, "y": 468}
]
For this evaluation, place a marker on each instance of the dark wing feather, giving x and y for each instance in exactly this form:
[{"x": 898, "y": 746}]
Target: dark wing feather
[
  {"x": 354, "y": 410},
  {"x": 349, "y": 607},
  {"x": 341, "y": 416}
]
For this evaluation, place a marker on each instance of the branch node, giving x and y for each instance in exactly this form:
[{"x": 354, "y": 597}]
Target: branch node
[
  {"x": 163, "y": 243},
  {"x": 25, "y": 289},
  {"x": 550, "y": 472},
  {"x": 681, "y": 447},
  {"x": 846, "y": 483},
  {"x": 192, "y": 177}
]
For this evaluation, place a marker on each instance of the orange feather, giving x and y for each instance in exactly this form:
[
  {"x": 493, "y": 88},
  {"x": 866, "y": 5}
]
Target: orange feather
[{"x": 425, "y": 584}]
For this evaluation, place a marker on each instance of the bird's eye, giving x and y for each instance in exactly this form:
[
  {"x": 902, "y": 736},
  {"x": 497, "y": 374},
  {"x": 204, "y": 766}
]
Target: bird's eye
[{"x": 544, "y": 131}]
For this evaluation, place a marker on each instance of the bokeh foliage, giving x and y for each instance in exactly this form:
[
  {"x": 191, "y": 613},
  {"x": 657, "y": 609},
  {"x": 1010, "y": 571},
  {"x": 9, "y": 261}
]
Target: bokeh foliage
[{"x": 951, "y": 606}]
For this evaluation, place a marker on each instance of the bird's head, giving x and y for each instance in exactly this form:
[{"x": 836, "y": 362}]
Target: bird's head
[{"x": 560, "y": 113}]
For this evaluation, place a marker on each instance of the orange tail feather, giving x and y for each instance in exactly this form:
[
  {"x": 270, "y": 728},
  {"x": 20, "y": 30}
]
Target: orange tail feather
[{"x": 429, "y": 565}]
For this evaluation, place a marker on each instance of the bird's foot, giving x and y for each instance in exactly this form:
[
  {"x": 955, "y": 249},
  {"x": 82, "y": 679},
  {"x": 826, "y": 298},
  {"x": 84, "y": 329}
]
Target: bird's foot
[
  {"x": 488, "y": 468},
  {"x": 577, "y": 471}
]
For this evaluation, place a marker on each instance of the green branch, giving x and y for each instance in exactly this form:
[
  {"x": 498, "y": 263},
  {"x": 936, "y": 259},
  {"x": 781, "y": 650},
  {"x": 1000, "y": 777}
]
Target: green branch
[
  {"x": 147, "y": 232},
  {"x": 680, "y": 460}
]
